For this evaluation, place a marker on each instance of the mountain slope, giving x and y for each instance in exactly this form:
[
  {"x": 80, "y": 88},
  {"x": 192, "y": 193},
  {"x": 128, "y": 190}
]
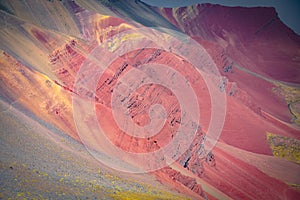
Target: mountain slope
[{"x": 45, "y": 44}]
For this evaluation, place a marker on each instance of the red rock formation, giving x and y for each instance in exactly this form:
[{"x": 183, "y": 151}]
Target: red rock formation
[{"x": 252, "y": 48}]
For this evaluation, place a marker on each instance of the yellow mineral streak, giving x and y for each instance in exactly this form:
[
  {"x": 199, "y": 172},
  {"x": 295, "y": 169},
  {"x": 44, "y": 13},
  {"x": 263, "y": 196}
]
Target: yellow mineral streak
[
  {"x": 57, "y": 15},
  {"x": 103, "y": 32},
  {"x": 24, "y": 48},
  {"x": 36, "y": 92}
]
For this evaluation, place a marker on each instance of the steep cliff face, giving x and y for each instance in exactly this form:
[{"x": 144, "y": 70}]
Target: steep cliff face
[{"x": 45, "y": 44}]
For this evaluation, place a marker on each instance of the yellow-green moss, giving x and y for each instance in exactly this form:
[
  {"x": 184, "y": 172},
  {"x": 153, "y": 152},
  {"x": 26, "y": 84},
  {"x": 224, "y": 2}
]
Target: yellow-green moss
[
  {"x": 295, "y": 111},
  {"x": 295, "y": 186},
  {"x": 292, "y": 97},
  {"x": 128, "y": 195},
  {"x": 284, "y": 147}
]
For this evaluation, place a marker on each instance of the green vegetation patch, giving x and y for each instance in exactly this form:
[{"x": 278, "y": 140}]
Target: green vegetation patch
[
  {"x": 284, "y": 147},
  {"x": 291, "y": 95}
]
